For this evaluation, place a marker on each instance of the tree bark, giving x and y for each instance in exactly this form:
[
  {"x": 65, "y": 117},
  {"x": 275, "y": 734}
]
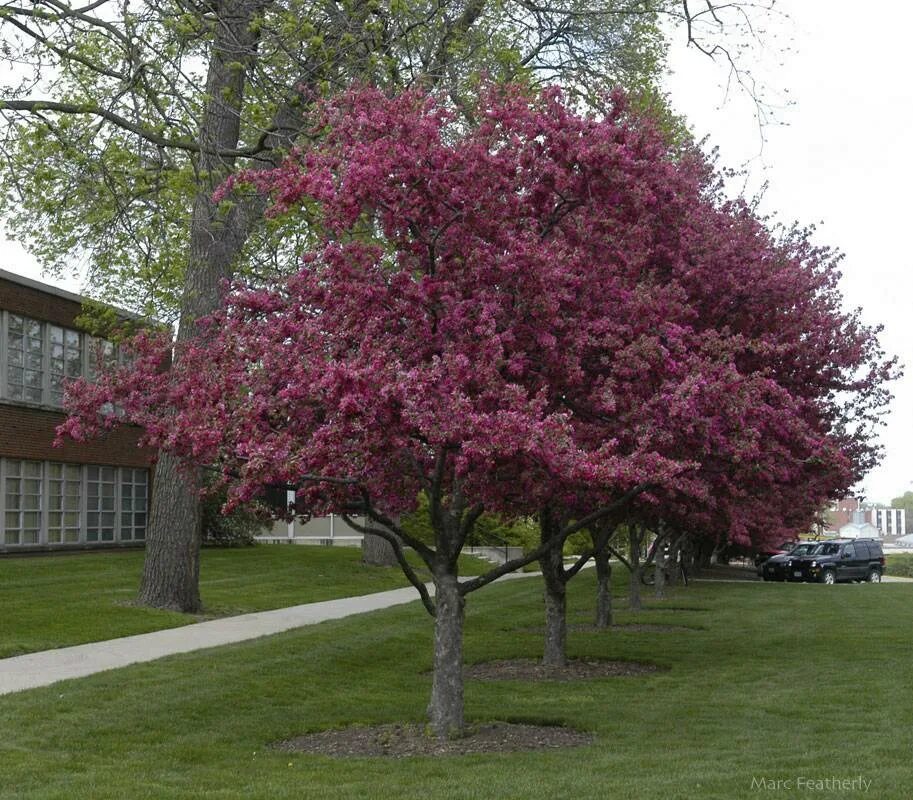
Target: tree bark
[
  {"x": 634, "y": 598},
  {"x": 171, "y": 572},
  {"x": 672, "y": 562},
  {"x": 377, "y": 552},
  {"x": 634, "y": 540},
  {"x": 171, "y": 569},
  {"x": 659, "y": 586},
  {"x": 445, "y": 709},
  {"x": 603, "y": 590},
  {"x": 552, "y": 564},
  {"x": 555, "y": 650}
]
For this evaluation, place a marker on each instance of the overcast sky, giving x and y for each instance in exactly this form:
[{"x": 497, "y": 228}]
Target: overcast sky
[{"x": 841, "y": 159}]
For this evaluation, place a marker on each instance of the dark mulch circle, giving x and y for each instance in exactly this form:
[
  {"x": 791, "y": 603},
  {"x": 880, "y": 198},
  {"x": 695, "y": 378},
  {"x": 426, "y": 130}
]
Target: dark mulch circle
[
  {"x": 633, "y": 626},
  {"x": 622, "y": 626},
  {"x": 664, "y": 607},
  {"x": 528, "y": 669},
  {"x": 402, "y": 741}
]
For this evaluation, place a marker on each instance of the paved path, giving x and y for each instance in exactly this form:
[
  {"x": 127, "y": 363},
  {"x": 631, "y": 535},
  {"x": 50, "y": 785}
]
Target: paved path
[{"x": 49, "y": 666}]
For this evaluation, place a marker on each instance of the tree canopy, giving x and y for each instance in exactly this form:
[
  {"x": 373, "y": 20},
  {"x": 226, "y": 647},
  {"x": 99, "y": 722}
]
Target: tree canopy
[{"x": 542, "y": 313}]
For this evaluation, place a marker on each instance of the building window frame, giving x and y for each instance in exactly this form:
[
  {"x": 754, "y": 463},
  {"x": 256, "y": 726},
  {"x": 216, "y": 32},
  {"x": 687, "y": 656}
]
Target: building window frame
[{"x": 121, "y": 533}]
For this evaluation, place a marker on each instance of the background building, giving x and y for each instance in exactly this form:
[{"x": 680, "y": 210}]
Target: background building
[
  {"x": 888, "y": 522},
  {"x": 78, "y": 495}
]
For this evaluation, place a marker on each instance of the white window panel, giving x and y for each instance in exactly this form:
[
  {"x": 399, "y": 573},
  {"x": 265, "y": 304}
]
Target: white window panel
[
  {"x": 134, "y": 487},
  {"x": 22, "y": 502},
  {"x": 64, "y": 503},
  {"x": 65, "y": 362},
  {"x": 101, "y": 500}
]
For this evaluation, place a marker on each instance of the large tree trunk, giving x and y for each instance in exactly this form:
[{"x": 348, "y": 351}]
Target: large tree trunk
[
  {"x": 171, "y": 573},
  {"x": 445, "y": 709},
  {"x": 603, "y": 590},
  {"x": 171, "y": 570},
  {"x": 377, "y": 552}
]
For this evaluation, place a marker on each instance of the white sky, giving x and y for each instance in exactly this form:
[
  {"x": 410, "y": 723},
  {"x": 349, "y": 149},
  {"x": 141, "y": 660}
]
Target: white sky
[{"x": 842, "y": 159}]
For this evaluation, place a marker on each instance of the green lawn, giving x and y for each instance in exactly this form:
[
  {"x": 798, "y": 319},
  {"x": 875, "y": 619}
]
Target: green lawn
[
  {"x": 55, "y": 601},
  {"x": 780, "y": 681}
]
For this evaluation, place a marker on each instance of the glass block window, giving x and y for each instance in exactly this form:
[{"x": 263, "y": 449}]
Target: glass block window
[
  {"x": 25, "y": 358},
  {"x": 101, "y": 516},
  {"x": 22, "y": 502},
  {"x": 134, "y": 486},
  {"x": 64, "y": 503},
  {"x": 65, "y": 360}
]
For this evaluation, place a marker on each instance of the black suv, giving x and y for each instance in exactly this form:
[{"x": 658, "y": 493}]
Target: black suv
[
  {"x": 839, "y": 560},
  {"x": 775, "y": 568}
]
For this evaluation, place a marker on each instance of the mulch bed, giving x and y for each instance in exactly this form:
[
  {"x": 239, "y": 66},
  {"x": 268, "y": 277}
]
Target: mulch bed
[
  {"x": 623, "y": 626},
  {"x": 633, "y": 626},
  {"x": 528, "y": 669},
  {"x": 402, "y": 741},
  {"x": 668, "y": 608}
]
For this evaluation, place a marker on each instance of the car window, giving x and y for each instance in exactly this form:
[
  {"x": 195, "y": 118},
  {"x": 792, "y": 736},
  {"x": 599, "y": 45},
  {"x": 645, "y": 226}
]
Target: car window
[
  {"x": 862, "y": 551},
  {"x": 849, "y": 551},
  {"x": 829, "y": 549}
]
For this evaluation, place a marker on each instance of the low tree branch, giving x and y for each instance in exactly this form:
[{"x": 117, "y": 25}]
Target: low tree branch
[{"x": 404, "y": 564}]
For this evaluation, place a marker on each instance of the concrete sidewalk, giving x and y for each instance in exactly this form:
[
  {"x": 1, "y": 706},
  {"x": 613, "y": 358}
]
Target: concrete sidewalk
[{"x": 49, "y": 666}]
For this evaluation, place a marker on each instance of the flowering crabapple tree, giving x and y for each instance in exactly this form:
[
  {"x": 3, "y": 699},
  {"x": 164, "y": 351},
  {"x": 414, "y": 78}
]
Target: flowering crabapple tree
[
  {"x": 759, "y": 381},
  {"x": 417, "y": 349},
  {"x": 476, "y": 304}
]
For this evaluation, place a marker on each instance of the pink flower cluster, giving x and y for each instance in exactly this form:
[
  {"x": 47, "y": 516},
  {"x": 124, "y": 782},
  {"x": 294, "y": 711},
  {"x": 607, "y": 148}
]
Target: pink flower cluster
[{"x": 543, "y": 309}]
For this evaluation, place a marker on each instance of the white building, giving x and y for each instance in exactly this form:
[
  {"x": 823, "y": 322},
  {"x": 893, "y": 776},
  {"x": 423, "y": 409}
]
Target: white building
[{"x": 889, "y": 521}]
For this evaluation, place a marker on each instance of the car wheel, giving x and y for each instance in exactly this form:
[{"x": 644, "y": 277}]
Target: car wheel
[
  {"x": 829, "y": 576},
  {"x": 874, "y": 576}
]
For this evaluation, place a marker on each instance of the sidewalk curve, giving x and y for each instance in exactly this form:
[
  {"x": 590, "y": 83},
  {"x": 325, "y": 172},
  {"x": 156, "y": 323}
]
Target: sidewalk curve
[{"x": 50, "y": 666}]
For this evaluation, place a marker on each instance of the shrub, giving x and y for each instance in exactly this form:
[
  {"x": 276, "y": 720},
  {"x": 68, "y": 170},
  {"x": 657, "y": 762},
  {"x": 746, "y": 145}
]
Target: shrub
[
  {"x": 901, "y": 565},
  {"x": 237, "y": 529}
]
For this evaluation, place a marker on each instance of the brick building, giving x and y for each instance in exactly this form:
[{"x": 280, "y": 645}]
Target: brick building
[{"x": 78, "y": 495}]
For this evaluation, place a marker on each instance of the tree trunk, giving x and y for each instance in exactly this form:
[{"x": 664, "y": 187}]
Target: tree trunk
[
  {"x": 171, "y": 574},
  {"x": 377, "y": 552},
  {"x": 603, "y": 590},
  {"x": 552, "y": 564},
  {"x": 672, "y": 563},
  {"x": 634, "y": 600},
  {"x": 445, "y": 709},
  {"x": 171, "y": 569},
  {"x": 555, "y": 650},
  {"x": 634, "y": 541},
  {"x": 659, "y": 586}
]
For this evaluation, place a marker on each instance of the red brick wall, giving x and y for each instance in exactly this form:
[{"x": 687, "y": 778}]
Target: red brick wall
[
  {"x": 29, "y": 432},
  {"x": 38, "y": 305}
]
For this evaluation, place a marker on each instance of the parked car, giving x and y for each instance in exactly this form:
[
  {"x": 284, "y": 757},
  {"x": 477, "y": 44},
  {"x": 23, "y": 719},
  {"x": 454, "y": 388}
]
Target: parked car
[
  {"x": 775, "y": 568},
  {"x": 839, "y": 560},
  {"x": 782, "y": 549}
]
